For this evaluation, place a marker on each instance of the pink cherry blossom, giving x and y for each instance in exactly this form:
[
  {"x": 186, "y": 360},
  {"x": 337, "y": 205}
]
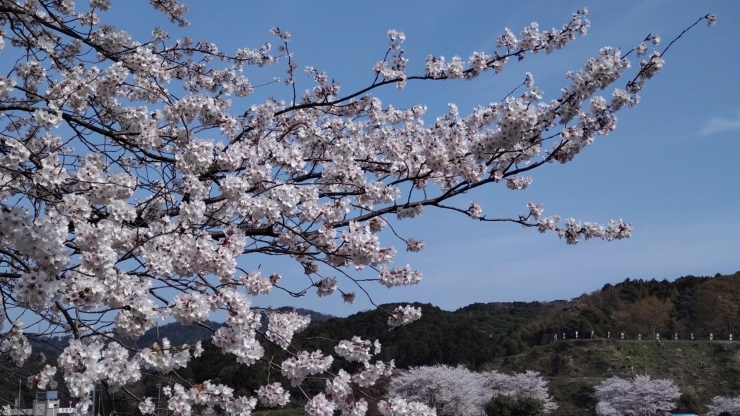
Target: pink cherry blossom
[{"x": 139, "y": 174}]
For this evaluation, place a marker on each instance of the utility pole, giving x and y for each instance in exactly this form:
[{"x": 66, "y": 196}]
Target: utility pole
[{"x": 159, "y": 395}]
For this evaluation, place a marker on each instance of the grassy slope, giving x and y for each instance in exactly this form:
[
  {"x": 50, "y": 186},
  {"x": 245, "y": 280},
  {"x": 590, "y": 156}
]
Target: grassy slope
[{"x": 705, "y": 369}]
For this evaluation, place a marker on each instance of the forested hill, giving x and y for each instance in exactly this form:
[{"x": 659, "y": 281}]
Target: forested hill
[
  {"x": 471, "y": 335},
  {"x": 479, "y": 333},
  {"x": 689, "y": 304}
]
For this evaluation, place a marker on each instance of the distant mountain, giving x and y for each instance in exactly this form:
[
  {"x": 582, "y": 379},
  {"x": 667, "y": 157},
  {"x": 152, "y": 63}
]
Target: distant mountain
[
  {"x": 176, "y": 333},
  {"x": 179, "y": 334},
  {"x": 315, "y": 316}
]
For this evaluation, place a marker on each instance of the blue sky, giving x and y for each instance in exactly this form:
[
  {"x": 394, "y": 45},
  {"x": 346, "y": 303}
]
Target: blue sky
[{"x": 670, "y": 168}]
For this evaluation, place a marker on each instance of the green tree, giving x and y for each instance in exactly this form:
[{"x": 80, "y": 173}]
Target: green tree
[
  {"x": 509, "y": 406},
  {"x": 688, "y": 403},
  {"x": 650, "y": 314}
]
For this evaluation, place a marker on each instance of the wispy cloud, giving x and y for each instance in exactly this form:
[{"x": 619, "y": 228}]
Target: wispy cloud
[{"x": 721, "y": 125}]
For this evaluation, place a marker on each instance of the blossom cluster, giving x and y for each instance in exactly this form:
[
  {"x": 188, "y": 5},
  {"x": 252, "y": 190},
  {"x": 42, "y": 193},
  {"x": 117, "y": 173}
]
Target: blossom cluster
[
  {"x": 357, "y": 349},
  {"x": 400, "y": 407},
  {"x": 273, "y": 395},
  {"x": 86, "y": 363},
  {"x": 403, "y": 315},
  {"x": 180, "y": 401},
  {"x": 43, "y": 378},
  {"x": 15, "y": 345},
  {"x": 299, "y": 367},
  {"x": 282, "y": 326}
]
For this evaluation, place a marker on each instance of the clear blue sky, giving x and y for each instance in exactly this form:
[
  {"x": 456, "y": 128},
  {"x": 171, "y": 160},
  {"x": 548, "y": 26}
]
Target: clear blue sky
[{"x": 670, "y": 168}]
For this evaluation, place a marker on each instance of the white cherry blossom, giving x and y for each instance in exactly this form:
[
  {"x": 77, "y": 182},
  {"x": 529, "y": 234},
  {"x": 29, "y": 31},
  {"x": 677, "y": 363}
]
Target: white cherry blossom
[{"x": 140, "y": 174}]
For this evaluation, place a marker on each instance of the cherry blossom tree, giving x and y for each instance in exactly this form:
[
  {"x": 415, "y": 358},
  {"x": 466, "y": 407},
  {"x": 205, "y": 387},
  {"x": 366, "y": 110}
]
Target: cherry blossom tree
[
  {"x": 640, "y": 396},
  {"x": 456, "y": 391},
  {"x": 529, "y": 384},
  {"x": 451, "y": 391},
  {"x": 724, "y": 405},
  {"x": 135, "y": 173}
]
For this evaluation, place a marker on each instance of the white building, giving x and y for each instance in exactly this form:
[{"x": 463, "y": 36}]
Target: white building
[{"x": 45, "y": 404}]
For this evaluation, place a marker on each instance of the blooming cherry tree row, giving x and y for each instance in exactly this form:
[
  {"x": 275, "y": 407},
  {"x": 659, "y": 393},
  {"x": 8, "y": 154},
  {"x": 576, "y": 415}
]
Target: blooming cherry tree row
[
  {"x": 135, "y": 174},
  {"x": 453, "y": 391}
]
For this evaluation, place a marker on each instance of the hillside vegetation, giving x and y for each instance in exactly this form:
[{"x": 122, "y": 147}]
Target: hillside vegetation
[
  {"x": 698, "y": 305},
  {"x": 515, "y": 336},
  {"x": 701, "y": 369}
]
